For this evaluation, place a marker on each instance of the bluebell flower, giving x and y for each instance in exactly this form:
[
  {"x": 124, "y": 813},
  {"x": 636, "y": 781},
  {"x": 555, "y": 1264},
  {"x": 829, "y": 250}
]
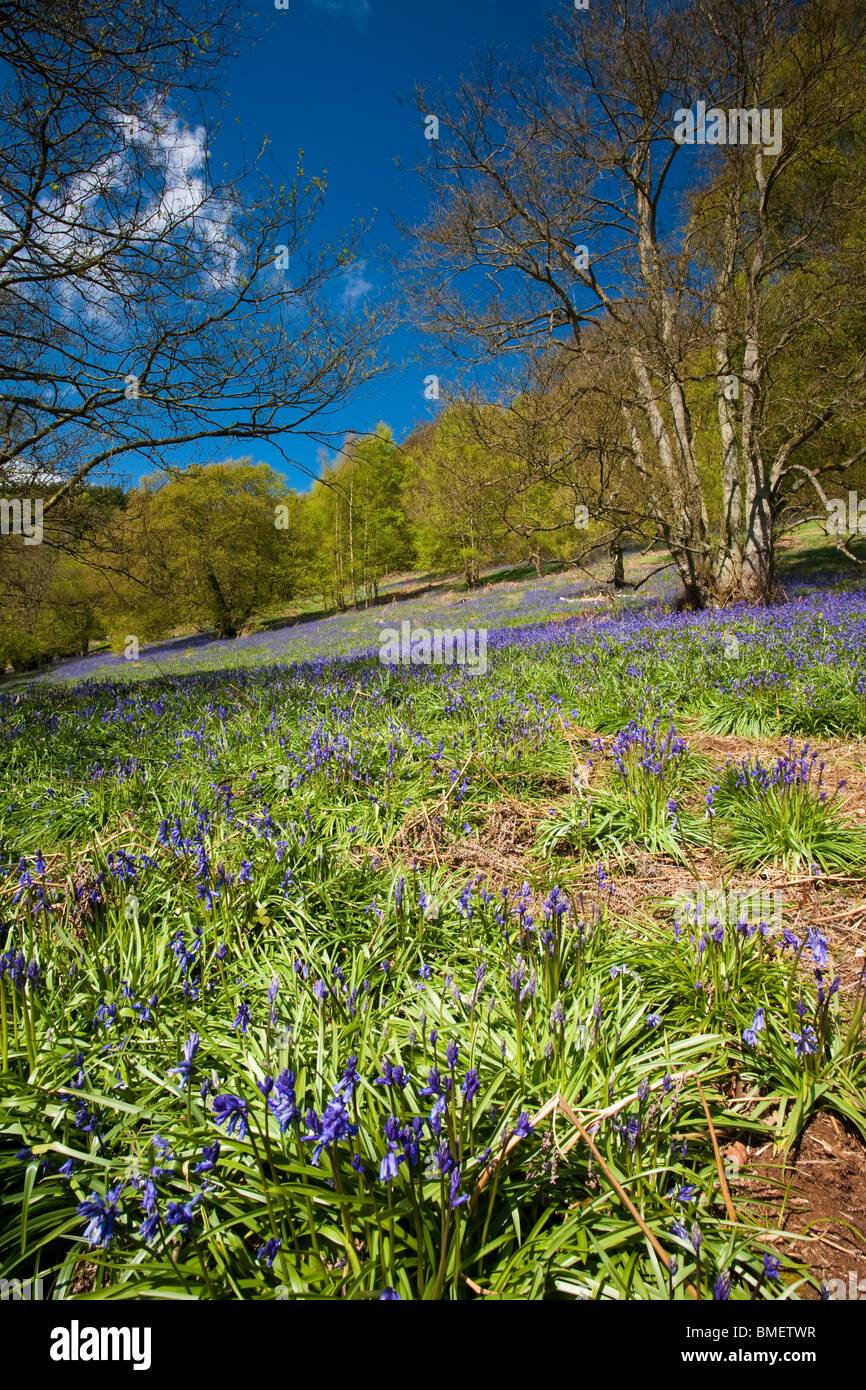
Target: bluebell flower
[
  {"x": 102, "y": 1213},
  {"x": 242, "y": 1021},
  {"x": 471, "y": 1086},
  {"x": 722, "y": 1287},
  {"x": 149, "y": 1194},
  {"x": 523, "y": 1128},
  {"x": 350, "y": 1078},
  {"x": 150, "y": 1226},
  {"x": 393, "y": 1076},
  {"x": 209, "y": 1158},
  {"x": 435, "y": 1117},
  {"x": 283, "y": 1103},
  {"x": 389, "y": 1296},
  {"x": 269, "y": 1250},
  {"x": 105, "y": 1013},
  {"x": 805, "y": 1042},
  {"x": 750, "y": 1035},
  {"x": 816, "y": 943},
  {"x": 684, "y": 1193},
  {"x": 772, "y": 1266},
  {"x": 333, "y": 1126},
  {"x": 455, "y": 1197},
  {"x": 232, "y": 1112},
  {"x": 390, "y": 1165},
  {"x": 181, "y": 1214},
  {"x": 190, "y": 1048},
  {"x": 434, "y": 1083}
]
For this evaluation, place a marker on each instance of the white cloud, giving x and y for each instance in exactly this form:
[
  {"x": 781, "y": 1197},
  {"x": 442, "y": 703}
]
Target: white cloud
[
  {"x": 355, "y": 284},
  {"x": 78, "y": 222},
  {"x": 16, "y": 472}
]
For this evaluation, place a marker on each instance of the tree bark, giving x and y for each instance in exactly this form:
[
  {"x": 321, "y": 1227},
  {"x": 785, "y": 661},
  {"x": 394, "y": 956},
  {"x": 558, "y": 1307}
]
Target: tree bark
[
  {"x": 618, "y": 565},
  {"x": 224, "y": 623}
]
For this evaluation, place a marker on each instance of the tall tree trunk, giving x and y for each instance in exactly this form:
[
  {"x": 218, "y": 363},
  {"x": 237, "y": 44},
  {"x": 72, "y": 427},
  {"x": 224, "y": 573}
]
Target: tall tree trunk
[
  {"x": 338, "y": 556},
  {"x": 758, "y": 578},
  {"x": 680, "y": 513},
  {"x": 366, "y": 511},
  {"x": 352, "y": 541},
  {"x": 618, "y": 565},
  {"x": 222, "y": 613},
  {"x": 687, "y": 528},
  {"x": 758, "y": 583},
  {"x": 730, "y": 561}
]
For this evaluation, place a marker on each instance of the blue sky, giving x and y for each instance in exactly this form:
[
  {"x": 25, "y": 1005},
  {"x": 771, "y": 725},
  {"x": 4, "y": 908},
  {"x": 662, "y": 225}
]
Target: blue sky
[{"x": 325, "y": 77}]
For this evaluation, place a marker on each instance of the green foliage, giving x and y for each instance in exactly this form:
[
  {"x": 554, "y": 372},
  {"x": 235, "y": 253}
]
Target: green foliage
[
  {"x": 640, "y": 804},
  {"x": 591, "y": 1027},
  {"x": 207, "y": 548},
  {"x": 355, "y": 513},
  {"x": 784, "y": 816}
]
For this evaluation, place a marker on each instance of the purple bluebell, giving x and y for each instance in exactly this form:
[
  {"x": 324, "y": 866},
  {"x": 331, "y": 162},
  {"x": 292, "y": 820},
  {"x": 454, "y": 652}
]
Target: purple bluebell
[
  {"x": 209, "y": 1158},
  {"x": 523, "y": 1128},
  {"x": 772, "y": 1266},
  {"x": 242, "y": 1021},
  {"x": 190, "y": 1048},
  {"x": 181, "y": 1214},
  {"x": 722, "y": 1287},
  {"x": 471, "y": 1086},
  {"x": 232, "y": 1112},
  {"x": 102, "y": 1213},
  {"x": 333, "y": 1126},
  {"x": 269, "y": 1250}
]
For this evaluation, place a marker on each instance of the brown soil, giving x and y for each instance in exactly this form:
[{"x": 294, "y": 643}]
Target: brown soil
[{"x": 821, "y": 1192}]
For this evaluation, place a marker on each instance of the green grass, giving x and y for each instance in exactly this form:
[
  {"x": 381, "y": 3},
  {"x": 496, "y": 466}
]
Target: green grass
[{"x": 211, "y": 836}]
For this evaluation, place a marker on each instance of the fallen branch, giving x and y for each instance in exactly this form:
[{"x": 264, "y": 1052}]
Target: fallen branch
[
  {"x": 842, "y": 916},
  {"x": 555, "y": 1103},
  {"x": 513, "y": 799},
  {"x": 620, "y": 1190},
  {"x": 720, "y": 1167}
]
